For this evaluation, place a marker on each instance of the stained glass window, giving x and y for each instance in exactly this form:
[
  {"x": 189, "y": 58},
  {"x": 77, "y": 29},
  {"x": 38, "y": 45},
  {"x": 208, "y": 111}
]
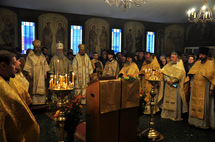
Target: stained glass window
[
  {"x": 150, "y": 42},
  {"x": 76, "y": 38},
  {"x": 27, "y": 35},
  {"x": 116, "y": 40}
]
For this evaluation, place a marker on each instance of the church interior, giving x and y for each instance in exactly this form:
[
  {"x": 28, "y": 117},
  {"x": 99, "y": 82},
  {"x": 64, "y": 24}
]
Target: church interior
[{"x": 175, "y": 29}]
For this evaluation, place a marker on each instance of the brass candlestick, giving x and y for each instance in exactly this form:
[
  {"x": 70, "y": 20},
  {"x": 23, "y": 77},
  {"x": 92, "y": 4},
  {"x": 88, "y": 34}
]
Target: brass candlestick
[
  {"x": 61, "y": 93},
  {"x": 150, "y": 132}
]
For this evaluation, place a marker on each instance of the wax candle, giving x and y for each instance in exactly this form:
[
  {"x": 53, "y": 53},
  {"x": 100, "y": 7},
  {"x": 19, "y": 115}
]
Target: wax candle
[
  {"x": 57, "y": 69},
  {"x": 73, "y": 75},
  {"x": 55, "y": 79},
  {"x": 50, "y": 83},
  {"x": 61, "y": 80},
  {"x": 66, "y": 78}
]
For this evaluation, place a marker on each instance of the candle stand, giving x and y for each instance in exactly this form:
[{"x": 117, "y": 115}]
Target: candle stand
[
  {"x": 153, "y": 76},
  {"x": 151, "y": 133},
  {"x": 61, "y": 93}
]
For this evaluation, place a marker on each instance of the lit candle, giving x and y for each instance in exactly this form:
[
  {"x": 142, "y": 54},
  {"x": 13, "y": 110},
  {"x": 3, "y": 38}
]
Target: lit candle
[
  {"x": 55, "y": 79},
  {"x": 50, "y": 83},
  {"x": 57, "y": 69},
  {"x": 66, "y": 78},
  {"x": 61, "y": 80},
  {"x": 194, "y": 15},
  {"x": 73, "y": 75}
]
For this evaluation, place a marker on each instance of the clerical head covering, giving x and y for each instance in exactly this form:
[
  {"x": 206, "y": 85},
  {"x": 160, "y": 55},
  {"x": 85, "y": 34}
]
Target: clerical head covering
[
  {"x": 203, "y": 50},
  {"x": 81, "y": 47},
  {"x": 36, "y": 43},
  {"x": 110, "y": 52},
  {"x": 128, "y": 54},
  {"x": 59, "y": 45}
]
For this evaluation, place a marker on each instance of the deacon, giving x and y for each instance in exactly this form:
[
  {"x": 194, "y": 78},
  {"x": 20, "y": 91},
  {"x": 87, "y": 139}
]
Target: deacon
[
  {"x": 202, "y": 81},
  {"x": 83, "y": 71},
  {"x": 148, "y": 64},
  {"x": 16, "y": 120},
  {"x": 37, "y": 67},
  {"x": 97, "y": 66},
  {"x": 20, "y": 84},
  {"x": 60, "y": 64},
  {"x": 111, "y": 67},
  {"x": 172, "y": 93},
  {"x": 130, "y": 68}
]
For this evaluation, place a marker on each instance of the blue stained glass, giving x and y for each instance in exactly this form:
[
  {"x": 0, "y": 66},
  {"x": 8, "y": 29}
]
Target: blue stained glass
[
  {"x": 150, "y": 42},
  {"x": 28, "y": 35},
  {"x": 116, "y": 40},
  {"x": 76, "y": 37}
]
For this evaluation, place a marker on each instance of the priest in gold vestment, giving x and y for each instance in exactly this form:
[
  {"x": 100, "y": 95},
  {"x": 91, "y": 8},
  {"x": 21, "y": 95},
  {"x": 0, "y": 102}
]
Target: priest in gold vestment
[
  {"x": 202, "y": 81},
  {"x": 171, "y": 94},
  {"x": 97, "y": 66},
  {"x": 37, "y": 67},
  {"x": 129, "y": 68},
  {"x": 149, "y": 63},
  {"x": 83, "y": 71},
  {"x": 111, "y": 67},
  {"x": 17, "y": 123},
  {"x": 20, "y": 84}
]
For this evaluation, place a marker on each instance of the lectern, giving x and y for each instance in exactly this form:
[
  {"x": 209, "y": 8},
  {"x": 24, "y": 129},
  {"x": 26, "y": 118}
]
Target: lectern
[{"x": 111, "y": 107}]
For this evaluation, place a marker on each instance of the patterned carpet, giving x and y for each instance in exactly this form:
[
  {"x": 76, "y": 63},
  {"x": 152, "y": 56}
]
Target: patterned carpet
[
  {"x": 172, "y": 131},
  {"x": 80, "y": 133}
]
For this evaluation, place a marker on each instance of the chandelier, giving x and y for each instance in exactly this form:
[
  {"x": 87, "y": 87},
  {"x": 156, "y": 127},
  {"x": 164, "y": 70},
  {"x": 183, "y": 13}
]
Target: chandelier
[
  {"x": 204, "y": 15},
  {"x": 125, "y": 3}
]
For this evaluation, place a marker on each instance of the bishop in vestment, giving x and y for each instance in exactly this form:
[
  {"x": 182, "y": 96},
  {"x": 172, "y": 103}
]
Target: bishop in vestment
[
  {"x": 202, "y": 81},
  {"x": 60, "y": 63},
  {"x": 17, "y": 123},
  {"x": 148, "y": 64},
  {"x": 83, "y": 71},
  {"x": 37, "y": 67},
  {"x": 171, "y": 94},
  {"x": 111, "y": 67}
]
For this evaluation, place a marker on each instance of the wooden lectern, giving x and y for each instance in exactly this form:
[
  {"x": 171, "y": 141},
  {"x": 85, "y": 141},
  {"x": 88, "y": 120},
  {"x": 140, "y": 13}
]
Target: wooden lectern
[{"x": 112, "y": 114}]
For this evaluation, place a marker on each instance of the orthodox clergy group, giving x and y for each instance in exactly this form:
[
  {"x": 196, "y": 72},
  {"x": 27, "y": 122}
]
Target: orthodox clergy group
[{"x": 179, "y": 92}]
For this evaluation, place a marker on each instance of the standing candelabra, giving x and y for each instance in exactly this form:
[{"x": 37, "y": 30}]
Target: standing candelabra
[
  {"x": 153, "y": 76},
  {"x": 61, "y": 86},
  {"x": 61, "y": 105}
]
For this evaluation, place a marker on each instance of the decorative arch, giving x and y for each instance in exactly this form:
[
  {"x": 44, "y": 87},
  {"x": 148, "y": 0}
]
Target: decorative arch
[
  {"x": 97, "y": 33},
  {"x": 134, "y": 37},
  {"x": 174, "y": 39},
  {"x": 53, "y": 29}
]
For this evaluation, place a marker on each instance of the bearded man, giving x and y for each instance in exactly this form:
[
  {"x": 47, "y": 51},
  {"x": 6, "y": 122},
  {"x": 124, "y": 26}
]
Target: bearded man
[
  {"x": 171, "y": 95},
  {"x": 202, "y": 80},
  {"x": 60, "y": 63},
  {"x": 148, "y": 63},
  {"x": 83, "y": 71},
  {"x": 129, "y": 68},
  {"x": 37, "y": 67},
  {"x": 16, "y": 119}
]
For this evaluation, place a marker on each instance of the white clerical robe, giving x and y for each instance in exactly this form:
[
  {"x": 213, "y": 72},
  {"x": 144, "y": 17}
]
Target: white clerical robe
[
  {"x": 37, "y": 66},
  {"x": 82, "y": 69}
]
